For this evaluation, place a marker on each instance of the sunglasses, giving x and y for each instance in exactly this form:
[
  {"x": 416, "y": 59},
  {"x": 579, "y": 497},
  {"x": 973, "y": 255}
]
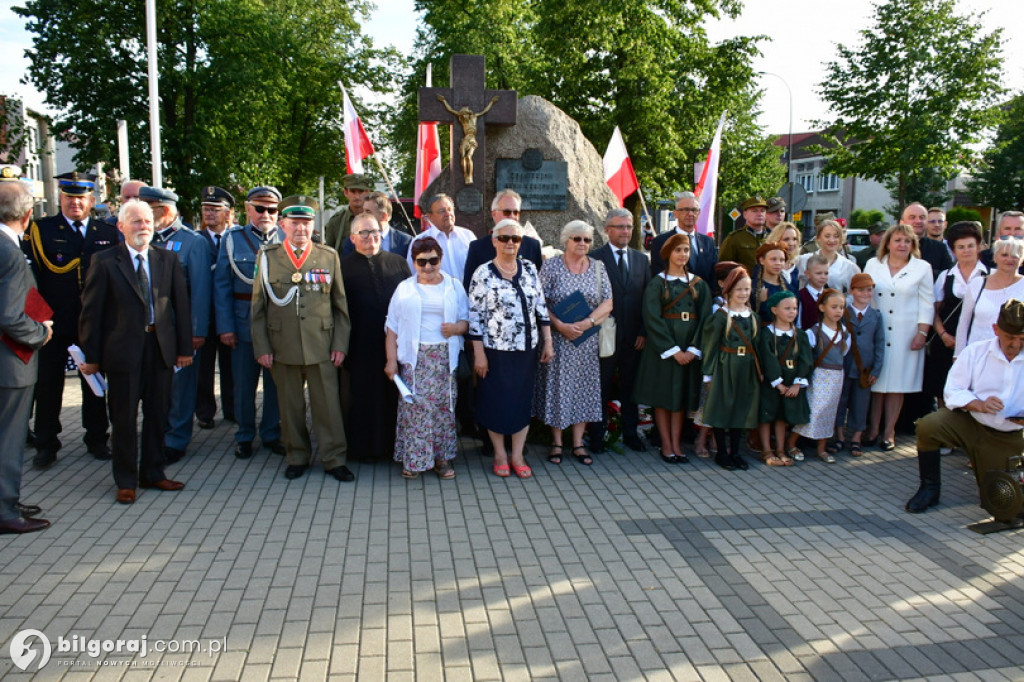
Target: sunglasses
[
  {"x": 424, "y": 262},
  {"x": 506, "y": 238},
  {"x": 509, "y": 212},
  {"x": 579, "y": 239},
  {"x": 264, "y": 209}
]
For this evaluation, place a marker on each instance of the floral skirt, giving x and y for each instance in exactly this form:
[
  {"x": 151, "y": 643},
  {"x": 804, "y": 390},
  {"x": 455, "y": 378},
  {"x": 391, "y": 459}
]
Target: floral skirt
[
  {"x": 823, "y": 396},
  {"x": 426, "y": 426}
]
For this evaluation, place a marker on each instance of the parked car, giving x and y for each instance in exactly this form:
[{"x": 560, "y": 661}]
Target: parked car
[{"x": 858, "y": 240}]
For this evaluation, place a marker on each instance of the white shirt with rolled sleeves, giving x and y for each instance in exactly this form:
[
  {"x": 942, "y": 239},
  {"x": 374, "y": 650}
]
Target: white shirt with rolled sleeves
[{"x": 982, "y": 371}]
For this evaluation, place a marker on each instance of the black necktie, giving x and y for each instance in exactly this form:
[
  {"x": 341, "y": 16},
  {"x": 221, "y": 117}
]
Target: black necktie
[
  {"x": 216, "y": 241},
  {"x": 623, "y": 272},
  {"x": 78, "y": 227},
  {"x": 860, "y": 316},
  {"x": 143, "y": 279}
]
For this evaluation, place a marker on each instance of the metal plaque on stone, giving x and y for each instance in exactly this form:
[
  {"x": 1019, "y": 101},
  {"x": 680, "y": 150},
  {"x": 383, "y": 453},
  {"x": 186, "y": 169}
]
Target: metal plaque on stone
[
  {"x": 469, "y": 200},
  {"x": 544, "y": 185}
]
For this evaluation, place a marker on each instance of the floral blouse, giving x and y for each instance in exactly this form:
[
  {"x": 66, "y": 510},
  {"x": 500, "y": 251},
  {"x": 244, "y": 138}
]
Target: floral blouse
[{"x": 505, "y": 314}]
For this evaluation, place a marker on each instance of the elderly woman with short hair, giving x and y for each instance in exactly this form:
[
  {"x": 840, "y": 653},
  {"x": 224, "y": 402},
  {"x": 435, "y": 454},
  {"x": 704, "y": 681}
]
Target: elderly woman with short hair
[
  {"x": 508, "y": 324},
  {"x": 568, "y": 390},
  {"x": 427, "y": 317},
  {"x": 984, "y": 297}
]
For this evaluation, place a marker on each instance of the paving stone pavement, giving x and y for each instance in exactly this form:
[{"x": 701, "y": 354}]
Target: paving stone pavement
[{"x": 630, "y": 569}]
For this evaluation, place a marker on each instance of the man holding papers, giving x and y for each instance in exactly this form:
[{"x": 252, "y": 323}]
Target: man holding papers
[{"x": 135, "y": 327}]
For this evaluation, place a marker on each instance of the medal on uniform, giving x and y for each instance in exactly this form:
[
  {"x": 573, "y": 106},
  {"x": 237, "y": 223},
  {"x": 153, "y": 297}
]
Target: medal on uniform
[
  {"x": 297, "y": 262},
  {"x": 296, "y": 277}
]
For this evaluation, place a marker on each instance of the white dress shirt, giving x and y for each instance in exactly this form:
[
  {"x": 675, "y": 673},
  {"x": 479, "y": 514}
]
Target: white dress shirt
[{"x": 982, "y": 371}]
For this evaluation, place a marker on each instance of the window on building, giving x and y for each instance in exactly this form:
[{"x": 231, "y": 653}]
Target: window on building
[
  {"x": 828, "y": 182},
  {"x": 806, "y": 180}
]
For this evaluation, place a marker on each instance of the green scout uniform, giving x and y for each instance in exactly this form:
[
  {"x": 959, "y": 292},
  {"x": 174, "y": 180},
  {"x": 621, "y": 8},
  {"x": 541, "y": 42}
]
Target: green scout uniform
[
  {"x": 674, "y": 316},
  {"x": 732, "y": 397},
  {"x": 785, "y": 357},
  {"x": 741, "y": 247},
  {"x": 307, "y": 322}
]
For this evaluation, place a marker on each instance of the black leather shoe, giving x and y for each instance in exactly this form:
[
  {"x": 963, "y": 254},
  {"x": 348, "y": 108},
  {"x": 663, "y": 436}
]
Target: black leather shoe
[
  {"x": 172, "y": 455},
  {"x": 20, "y": 525},
  {"x": 633, "y": 442},
  {"x": 44, "y": 459},
  {"x": 739, "y": 463},
  {"x": 100, "y": 452},
  {"x": 341, "y": 473},
  {"x": 275, "y": 446},
  {"x": 243, "y": 450},
  {"x": 27, "y": 511},
  {"x": 206, "y": 423},
  {"x": 295, "y": 470},
  {"x": 725, "y": 461},
  {"x": 230, "y": 418},
  {"x": 30, "y": 438}
]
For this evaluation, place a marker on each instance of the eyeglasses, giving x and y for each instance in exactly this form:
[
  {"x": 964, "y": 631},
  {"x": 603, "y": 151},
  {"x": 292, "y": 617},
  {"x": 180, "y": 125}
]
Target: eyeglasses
[
  {"x": 936, "y": 222},
  {"x": 264, "y": 209},
  {"x": 506, "y": 238},
  {"x": 621, "y": 227},
  {"x": 424, "y": 262},
  {"x": 368, "y": 234},
  {"x": 688, "y": 210},
  {"x": 509, "y": 212},
  {"x": 579, "y": 239}
]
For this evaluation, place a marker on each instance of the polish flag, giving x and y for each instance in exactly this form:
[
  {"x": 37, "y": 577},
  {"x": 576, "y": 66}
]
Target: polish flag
[
  {"x": 707, "y": 187},
  {"x": 357, "y": 144},
  {"x": 428, "y": 157},
  {"x": 618, "y": 169}
]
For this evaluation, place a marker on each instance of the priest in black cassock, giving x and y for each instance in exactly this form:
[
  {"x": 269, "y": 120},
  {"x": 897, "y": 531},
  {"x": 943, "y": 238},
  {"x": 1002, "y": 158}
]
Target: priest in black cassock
[{"x": 371, "y": 277}]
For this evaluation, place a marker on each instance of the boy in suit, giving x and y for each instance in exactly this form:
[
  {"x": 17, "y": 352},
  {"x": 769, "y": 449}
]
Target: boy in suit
[{"x": 868, "y": 353}]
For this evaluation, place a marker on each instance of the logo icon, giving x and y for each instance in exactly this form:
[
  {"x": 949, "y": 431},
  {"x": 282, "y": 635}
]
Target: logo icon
[{"x": 23, "y": 652}]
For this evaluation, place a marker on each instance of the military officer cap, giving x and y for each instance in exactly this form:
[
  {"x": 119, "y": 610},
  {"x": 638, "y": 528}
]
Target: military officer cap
[
  {"x": 877, "y": 228},
  {"x": 76, "y": 184},
  {"x": 157, "y": 195},
  {"x": 753, "y": 202},
  {"x": 776, "y": 204},
  {"x": 299, "y": 206},
  {"x": 356, "y": 181},
  {"x": 1011, "y": 317},
  {"x": 9, "y": 173},
  {"x": 215, "y": 196},
  {"x": 819, "y": 218},
  {"x": 264, "y": 192}
]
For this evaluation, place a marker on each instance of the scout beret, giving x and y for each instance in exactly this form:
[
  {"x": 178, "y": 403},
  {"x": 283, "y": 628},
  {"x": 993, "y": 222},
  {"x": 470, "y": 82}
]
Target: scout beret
[
  {"x": 753, "y": 202},
  {"x": 264, "y": 191},
  {"x": 776, "y": 204},
  {"x": 822, "y": 217},
  {"x": 861, "y": 280},
  {"x": 356, "y": 181},
  {"x": 299, "y": 206},
  {"x": 157, "y": 195},
  {"x": 1011, "y": 317},
  {"x": 76, "y": 184},
  {"x": 215, "y": 196},
  {"x": 9, "y": 173},
  {"x": 779, "y": 296}
]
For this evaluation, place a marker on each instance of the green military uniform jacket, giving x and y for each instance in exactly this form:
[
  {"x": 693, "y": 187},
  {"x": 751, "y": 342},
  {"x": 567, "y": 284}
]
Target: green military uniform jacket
[
  {"x": 733, "y": 396},
  {"x": 741, "y": 247},
  {"x": 338, "y": 229},
  {"x": 315, "y": 322}
]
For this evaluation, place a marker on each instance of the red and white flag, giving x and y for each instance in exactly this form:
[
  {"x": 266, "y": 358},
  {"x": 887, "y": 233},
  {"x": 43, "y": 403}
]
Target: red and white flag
[
  {"x": 618, "y": 169},
  {"x": 707, "y": 187},
  {"x": 357, "y": 144},
  {"x": 428, "y": 157}
]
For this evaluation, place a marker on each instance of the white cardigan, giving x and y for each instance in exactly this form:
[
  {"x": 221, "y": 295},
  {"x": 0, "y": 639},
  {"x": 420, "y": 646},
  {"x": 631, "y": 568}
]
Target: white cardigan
[{"x": 404, "y": 313}]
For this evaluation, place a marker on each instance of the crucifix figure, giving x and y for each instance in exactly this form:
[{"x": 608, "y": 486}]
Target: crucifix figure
[{"x": 468, "y": 108}]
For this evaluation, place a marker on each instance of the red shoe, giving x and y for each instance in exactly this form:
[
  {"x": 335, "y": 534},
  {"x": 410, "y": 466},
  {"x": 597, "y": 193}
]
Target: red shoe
[
  {"x": 523, "y": 471},
  {"x": 501, "y": 470}
]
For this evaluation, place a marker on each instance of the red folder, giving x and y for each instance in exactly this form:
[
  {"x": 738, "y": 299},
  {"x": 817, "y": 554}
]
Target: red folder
[{"x": 38, "y": 310}]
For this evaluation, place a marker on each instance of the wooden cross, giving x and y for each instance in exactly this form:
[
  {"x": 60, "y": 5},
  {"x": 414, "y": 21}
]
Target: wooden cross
[{"x": 467, "y": 107}]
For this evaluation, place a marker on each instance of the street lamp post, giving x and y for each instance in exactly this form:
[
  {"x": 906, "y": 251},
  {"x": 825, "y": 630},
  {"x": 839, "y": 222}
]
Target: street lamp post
[{"x": 789, "y": 152}]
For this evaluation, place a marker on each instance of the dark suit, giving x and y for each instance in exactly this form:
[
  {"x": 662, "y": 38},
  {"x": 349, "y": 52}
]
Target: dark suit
[
  {"x": 937, "y": 256},
  {"x": 398, "y": 244},
  {"x": 60, "y": 246},
  {"x": 627, "y": 298},
  {"x": 138, "y": 364},
  {"x": 482, "y": 250},
  {"x": 206, "y": 399},
  {"x": 702, "y": 258},
  {"x": 17, "y": 377}
]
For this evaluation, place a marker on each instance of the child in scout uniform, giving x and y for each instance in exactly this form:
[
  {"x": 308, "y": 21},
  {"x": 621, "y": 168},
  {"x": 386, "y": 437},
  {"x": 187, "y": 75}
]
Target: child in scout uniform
[
  {"x": 300, "y": 331},
  {"x": 732, "y": 367},
  {"x": 675, "y": 306},
  {"x": 786, "y": 359},
  {"x": 829, "y": 343},
  {"x": 862, "y": 364}
]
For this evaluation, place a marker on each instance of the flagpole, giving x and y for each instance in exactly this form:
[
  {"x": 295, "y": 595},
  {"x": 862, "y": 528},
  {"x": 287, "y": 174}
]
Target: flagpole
[
  {"x": 643, "y": 205},
  {"x": 398, "y": 199}
]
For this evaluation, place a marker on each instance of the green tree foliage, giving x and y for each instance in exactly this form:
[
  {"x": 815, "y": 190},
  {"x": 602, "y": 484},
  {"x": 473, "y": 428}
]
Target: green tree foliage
[
  {"x": 913, "y": 95},
  {"x": 647, "y": 67},
  {"x": 960, "y": 214},
  {"x": 999, "y": 180},
  {"x": 927, "y": 186},
  {"x": 248, "y": 88},
  {"x": 13, "y": 133},
  {"x": 862, "y": 219}
]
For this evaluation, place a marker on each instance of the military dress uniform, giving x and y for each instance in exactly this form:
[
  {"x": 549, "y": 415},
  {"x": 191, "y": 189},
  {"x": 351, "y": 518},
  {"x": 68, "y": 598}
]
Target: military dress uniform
[
  {"x": 300, "y": 316},
  {"x": 213, "y": 351},
  {"x": 233, "y": 278},
  {"x": 59, "y": 254}
]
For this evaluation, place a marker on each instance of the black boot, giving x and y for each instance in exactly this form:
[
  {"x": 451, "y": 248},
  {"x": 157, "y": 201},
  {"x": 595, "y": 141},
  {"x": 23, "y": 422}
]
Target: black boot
[{"x": 931, "y": 478}]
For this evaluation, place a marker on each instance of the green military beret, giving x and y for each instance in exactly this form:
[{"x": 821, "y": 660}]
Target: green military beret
[{"x": 1011, "y": 317}]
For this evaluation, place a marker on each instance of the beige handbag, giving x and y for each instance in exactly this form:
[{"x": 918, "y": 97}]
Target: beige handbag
[{"x": 606, "y": 334}]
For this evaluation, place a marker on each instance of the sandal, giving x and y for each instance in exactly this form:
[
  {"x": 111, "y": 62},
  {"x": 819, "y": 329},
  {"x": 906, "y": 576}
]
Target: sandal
[
  {"x": 410, "y": 474},
  {"x": 522, "y": 470},
  {"x": 584, "y": 459},
  {"x": 784, "y": 458},
  {"x": 796, "y": 453},
  {"x": 445, "y": 470},
  {"x": 501, "y": 470},
  {"x": 702, "y": 452},
  {"x": 771, "y": 459},
  {"x": 834, "y": 447},
  {"x": 855, "y": 450},
  {"x": 555, "y": 457},
  {"x": 827, "y": 457}
]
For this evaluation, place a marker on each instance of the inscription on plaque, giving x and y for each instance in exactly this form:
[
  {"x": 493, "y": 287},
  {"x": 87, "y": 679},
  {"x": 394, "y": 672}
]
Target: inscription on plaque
[
  {"x": 469, "y": 200},
  {"x": 544, "y": 185}
]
